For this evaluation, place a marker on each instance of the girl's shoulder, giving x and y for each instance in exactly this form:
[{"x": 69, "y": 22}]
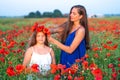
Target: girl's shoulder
[
  {"x": 48, "y": 48},
  {"x": 30, "y": 49}
]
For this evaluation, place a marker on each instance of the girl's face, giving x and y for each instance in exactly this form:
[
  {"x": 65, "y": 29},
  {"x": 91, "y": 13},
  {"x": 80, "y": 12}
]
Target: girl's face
[
  {"x": 40, "y": 37},
  {"x": 74, "y": 15}
]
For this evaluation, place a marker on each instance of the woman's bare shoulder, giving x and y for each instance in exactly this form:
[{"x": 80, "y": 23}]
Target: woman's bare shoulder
[{"x": 80, "y": 30}]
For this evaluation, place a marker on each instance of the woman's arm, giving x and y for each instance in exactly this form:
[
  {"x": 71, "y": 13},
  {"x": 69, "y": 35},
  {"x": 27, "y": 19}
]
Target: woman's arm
[
  {"x": 58, "y": 29},
  {"x": 27, "y": 57},
  {"x": 69, "y": 49}
]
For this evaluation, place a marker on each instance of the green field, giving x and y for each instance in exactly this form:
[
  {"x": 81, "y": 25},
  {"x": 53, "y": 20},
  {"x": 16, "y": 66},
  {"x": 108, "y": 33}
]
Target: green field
[{"x": 104, "y": 41}]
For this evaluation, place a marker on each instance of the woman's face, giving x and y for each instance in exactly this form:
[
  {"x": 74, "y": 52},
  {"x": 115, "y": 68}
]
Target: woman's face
[
  {"x": 40, "y": 37},
  {"x": 74, "y": 15}
]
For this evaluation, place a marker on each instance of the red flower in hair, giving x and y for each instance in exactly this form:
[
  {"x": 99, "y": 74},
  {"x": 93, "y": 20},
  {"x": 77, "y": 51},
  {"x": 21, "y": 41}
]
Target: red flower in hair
[
  {"x": 34, "y": 27},
  {"x": 46, "y": 31},
  {"x": 39, "y": 28}
]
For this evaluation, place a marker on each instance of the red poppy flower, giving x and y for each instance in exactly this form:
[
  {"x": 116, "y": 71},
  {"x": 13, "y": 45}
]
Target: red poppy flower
[
  {"x": 110, "y": 65},
  {"x": 20, "y": 68},
  {"x": 119, "y": 59},
  {"x": 60, "y": 66},
  {"x": 75, "y": 67},
  {"x": 96, "y": 55},
  {"x": 70, "y": 77},
  {"x": 3, "y": 44},
  {"x": 12, "y": 43},
  {"x": 34, "y": 27},
  {"x": 45, "y": 30},
  {"x": 95, "y": 49},
  {"x": 77, "y": 60},
  {"x": 53, "y": 68},
  {"x": 114, "y": 75},
  {"x": 108, "y": 54},
  {"x": 39, "y": 28},
  {"x": 93, "y": 66},
  {"x": 85, "y": 64},
  {"x": 34, "y": 68},
  {"x": 70, "y": 71},
  {"x": 57, "y": 77},
  {"x": 119, "y": 65},
  {"x": 97, "y": 74},
  {"x": 10, "y": 71},
  {"x": 2, "y": 59},
  {"x": 109, "y": 42},
  {"x": 22, "y": 43},
  {"x": 79, "y": 78},
  {"x": 110, "y": 47},
  {"x": 86, "y": 56}
]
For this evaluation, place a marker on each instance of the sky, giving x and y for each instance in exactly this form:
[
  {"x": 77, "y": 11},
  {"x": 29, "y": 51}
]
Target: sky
[{"x": 24, "y": 7}]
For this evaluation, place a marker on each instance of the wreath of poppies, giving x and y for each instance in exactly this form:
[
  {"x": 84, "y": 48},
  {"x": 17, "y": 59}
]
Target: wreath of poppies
[{"x": 40, "y": 28}]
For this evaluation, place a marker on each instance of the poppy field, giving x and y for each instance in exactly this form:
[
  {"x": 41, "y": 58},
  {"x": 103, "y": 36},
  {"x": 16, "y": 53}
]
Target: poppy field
[{"x": 102, "y": 61}]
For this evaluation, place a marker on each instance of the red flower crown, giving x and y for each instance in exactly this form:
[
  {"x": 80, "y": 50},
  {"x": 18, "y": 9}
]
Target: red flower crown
[{"x": 38, "y": 28}]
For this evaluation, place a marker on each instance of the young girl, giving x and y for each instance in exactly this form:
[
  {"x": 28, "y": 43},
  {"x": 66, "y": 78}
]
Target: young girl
[{"x": 38, "y": 51}]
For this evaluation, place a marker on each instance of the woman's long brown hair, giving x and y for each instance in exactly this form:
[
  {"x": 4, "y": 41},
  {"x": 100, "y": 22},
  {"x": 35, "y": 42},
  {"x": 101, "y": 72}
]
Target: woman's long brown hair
[{"x": 83, "y": 21}]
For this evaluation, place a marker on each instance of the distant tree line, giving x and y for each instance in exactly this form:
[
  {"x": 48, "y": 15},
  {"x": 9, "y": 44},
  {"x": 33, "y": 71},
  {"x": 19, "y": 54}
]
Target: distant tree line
[{"x": 37, "y": 14}]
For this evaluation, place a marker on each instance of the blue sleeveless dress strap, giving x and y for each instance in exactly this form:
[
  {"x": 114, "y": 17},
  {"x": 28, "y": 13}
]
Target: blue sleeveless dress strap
[{"x": 69, "y": 59}]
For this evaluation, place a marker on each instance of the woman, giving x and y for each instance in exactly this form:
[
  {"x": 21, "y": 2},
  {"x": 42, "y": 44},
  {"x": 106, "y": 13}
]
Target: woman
[{"x": 75, "y": 37}]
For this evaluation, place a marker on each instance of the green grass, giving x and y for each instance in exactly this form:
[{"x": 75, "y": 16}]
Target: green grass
[
  {"x": 8, "y": 23},
  {"x": 97, "y": 39}
]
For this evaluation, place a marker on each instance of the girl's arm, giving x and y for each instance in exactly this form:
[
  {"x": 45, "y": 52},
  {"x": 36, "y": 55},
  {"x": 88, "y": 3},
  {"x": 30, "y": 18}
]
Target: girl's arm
[
  {"x": 27, "y": 57},
  {"x": 53, "y": 56},
  {"x": 69, "y": 49}
]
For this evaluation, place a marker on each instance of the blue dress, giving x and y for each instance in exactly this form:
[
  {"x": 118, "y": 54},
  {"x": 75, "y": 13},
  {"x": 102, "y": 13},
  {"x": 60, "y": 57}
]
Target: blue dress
[{"x": 69, "y": 59}]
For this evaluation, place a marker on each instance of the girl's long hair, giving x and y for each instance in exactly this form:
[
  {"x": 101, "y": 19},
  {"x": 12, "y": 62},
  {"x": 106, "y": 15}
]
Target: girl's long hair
[{"x": 83, "y": 21}]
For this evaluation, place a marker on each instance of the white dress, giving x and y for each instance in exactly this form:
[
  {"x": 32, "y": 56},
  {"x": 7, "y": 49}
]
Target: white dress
[{"x": 43, "y": 60}]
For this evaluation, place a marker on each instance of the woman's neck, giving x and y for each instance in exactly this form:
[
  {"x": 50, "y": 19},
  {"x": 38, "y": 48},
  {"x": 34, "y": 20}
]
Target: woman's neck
[{"x": 76, "y": 24}]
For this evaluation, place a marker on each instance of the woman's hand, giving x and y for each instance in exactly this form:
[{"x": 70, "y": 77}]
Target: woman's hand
[{"x": 50, "y": 39}]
